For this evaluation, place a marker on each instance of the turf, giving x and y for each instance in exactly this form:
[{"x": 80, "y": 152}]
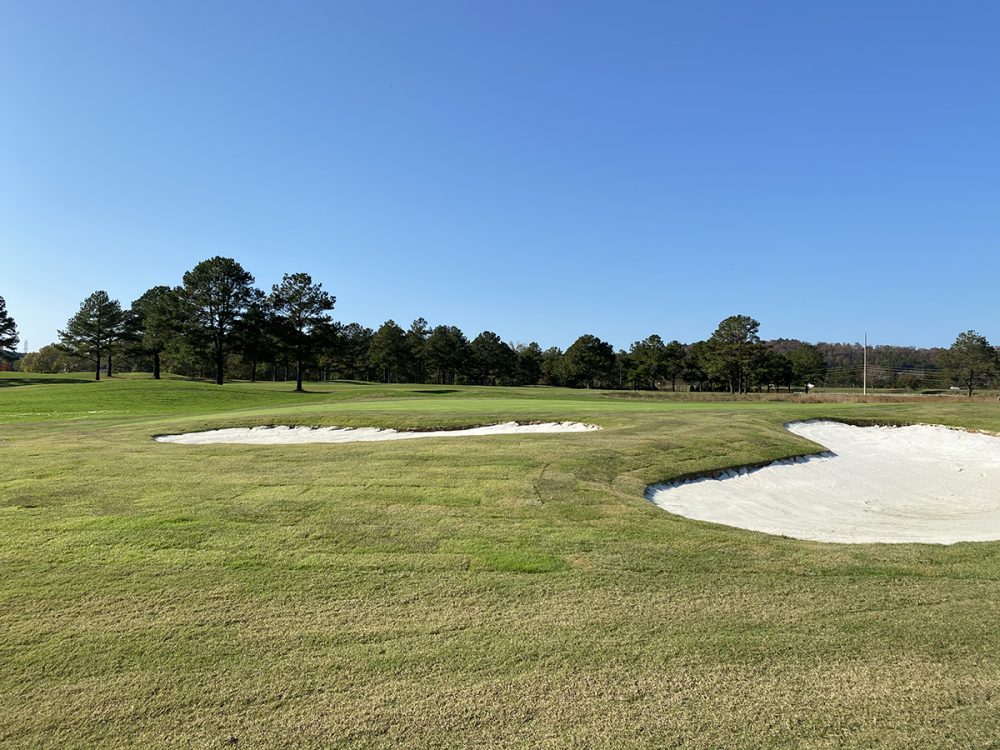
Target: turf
[{"x": 499, "y": 591}]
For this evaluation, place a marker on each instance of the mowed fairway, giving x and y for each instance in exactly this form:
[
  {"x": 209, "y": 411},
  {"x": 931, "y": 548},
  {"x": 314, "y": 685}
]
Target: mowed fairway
[{"x": 512, "y": 591}]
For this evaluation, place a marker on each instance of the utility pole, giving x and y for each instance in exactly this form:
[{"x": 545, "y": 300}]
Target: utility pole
[{"x": 864, "y": 387}]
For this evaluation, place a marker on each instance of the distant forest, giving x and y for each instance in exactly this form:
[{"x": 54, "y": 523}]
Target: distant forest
[
  {"x": 888, "y": 366},
  {"x": 217, "y": 324}
]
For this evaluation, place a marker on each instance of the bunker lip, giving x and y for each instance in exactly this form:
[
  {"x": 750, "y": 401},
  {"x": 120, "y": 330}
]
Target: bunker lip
[
  {"x": 874, "y": 484},
  {"x": 289, "y": 435}
]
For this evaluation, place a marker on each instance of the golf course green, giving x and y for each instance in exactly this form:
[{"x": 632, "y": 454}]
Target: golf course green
[{"x": 512, "y": 590}]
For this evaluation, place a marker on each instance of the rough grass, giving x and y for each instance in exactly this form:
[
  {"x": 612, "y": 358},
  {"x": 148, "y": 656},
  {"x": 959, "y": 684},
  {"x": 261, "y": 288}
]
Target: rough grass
[{"x": 498, "y": 591}]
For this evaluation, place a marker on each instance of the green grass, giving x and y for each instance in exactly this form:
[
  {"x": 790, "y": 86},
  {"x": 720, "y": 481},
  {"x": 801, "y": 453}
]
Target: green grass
[{"x": 498, "y": 591}]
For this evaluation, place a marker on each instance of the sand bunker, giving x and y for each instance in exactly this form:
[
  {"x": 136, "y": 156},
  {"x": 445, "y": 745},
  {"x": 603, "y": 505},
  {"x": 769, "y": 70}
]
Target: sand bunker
[
  {"x": 297, "y": 435},
  {"x": 875, "y": 484}
]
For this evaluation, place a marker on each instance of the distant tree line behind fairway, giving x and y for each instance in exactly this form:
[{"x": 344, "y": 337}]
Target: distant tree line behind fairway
[{"x": 217, "y": 324}]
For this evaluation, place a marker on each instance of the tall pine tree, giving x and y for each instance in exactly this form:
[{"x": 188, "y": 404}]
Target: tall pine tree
[
  {"x": 94, "y": 330},
  {"x": 215, "y": 295},
  {"x": 8, "y": 330},
  {"x": 301, "y": 310}
]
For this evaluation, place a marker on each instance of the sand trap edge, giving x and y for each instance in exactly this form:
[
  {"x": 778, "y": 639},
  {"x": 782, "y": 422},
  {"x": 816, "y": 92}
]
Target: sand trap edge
[
  {"x": 731, "y": 472},
  {"x": 734, "y": 472},
  {"x": 330, "y": 435}
]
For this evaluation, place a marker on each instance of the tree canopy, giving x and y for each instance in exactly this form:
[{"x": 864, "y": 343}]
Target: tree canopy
[
  {"x": 301, "y": 311},
  {"x": 807, "y": 364},
  {"x": 492, "y": 359},
  {"x": 387, "y": 352},
  {"x": 353, "y": 343},
  {"x": 588, "y": 361},
  {"x": 647, "y": 362},
  {"x": 52, "y": 359},
  {"x": 215, "y": 294},
  {"x": 971, "y": 360},
  {"x": 416, "y": 344},
  {"x": 153, "y": 321},
  {"x": 732, "y": 351},
  {"x": 529, "y": 363},
  {"x": 447, "y": 352},
  {"x": 8, "y": 330},
  {"x": 94, "y": 329}
]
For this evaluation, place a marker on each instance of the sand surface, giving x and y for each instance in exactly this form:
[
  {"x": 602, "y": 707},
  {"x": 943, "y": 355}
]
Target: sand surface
[
  {"x": 297, "y": 435},
  {"x": 874, "y": 484}
]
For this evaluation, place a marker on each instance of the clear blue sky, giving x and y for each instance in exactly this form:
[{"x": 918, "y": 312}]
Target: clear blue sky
[{"x": 540, "y": 169}]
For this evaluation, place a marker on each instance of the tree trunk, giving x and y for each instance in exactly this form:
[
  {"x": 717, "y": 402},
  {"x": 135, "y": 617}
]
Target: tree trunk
[
  {"x": 109, "y": 364},
  {"x": 156, "y": 365},
  {"x": 253, "y": 371},
  {"x": 97, "y": 372},
  {"x": 298, "y": 376},
  {"x": 220, "y": 361}
]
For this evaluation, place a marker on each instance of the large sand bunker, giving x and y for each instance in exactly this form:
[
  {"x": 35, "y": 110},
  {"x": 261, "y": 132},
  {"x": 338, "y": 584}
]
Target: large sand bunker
[
  {"x": 297, "y": 435},
  {"x": 874, "y": 484}
]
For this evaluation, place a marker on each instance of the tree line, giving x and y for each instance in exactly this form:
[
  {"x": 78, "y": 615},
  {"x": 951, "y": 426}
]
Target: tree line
[
  {"x": 215, "y": 320},
  {"x": 217, "y": 323}
]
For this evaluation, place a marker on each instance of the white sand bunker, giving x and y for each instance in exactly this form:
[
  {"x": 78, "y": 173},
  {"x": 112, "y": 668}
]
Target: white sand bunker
[
  {"x": 297, "y": 435},
  {"x": 876, "y": 484}
]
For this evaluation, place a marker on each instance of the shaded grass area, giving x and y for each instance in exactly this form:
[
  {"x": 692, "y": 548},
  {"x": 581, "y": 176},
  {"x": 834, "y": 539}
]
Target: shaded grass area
[
  {"x": 510, "y": 590},
  {"x": 11, "y": 379}
]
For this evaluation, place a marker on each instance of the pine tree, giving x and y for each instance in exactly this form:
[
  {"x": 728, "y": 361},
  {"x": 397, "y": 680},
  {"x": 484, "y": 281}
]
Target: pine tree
[
  {"x": 492, "y": 359},
  {"x": 153, "y": 321},
  {"x": 215, "y": 295},
  {"x": 529, "y": 363},
  {"x": 387, "y": 351},
  {"x": 416, "y": 344},
  {"x": 733, "y": 350},
  {"x": 94, "y": 330},
  {"x": 8, "y": 330},
  {"x": 588, "y": 360},
  {"x": 447, "y": 353},
  {"x": 300, "y": 309}
]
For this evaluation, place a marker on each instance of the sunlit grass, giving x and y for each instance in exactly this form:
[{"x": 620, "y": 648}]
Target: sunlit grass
[{"x": 507, "y": 590}]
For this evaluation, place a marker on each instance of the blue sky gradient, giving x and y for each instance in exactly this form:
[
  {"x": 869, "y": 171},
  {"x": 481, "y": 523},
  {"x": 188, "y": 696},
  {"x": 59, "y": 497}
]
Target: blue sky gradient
[{"x": 540, "y": 169}]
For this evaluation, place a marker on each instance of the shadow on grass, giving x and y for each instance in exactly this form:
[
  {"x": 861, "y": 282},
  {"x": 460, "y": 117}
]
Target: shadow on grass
[{"x": 42, "y": 380}]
